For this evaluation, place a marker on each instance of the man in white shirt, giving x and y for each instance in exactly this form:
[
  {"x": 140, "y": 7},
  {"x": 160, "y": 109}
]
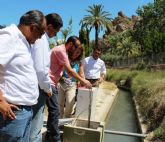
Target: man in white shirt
[
  {"x": 18, "y": 79},
  {"x": 41, "y": 58},
  {"x": 94, "y": 67}
]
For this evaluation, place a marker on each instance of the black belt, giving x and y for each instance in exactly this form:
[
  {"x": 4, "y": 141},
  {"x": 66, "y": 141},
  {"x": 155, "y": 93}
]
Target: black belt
[
  {"x": 24, "y": 106},
  {"x": 92, "y": 80}
]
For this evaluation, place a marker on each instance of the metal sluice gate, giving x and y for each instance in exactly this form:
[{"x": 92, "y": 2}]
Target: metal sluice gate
[{"x": 69, "y": 120}]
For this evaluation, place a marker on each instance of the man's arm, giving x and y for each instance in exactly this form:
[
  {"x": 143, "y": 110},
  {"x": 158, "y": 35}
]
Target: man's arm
[
  {"x": 102, "y": 72},
  {"x": 73, "y": 73},
  {"x": 81, "y": 70},
  {"x": 41, "y": 59},
  {"x": 81, "y": 73},
  {"x": 102, "y": 77},
  {"x": 6, "y": 108}
]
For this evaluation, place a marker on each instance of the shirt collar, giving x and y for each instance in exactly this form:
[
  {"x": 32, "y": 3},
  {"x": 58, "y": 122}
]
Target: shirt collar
[{"x": 93, "y": 58}]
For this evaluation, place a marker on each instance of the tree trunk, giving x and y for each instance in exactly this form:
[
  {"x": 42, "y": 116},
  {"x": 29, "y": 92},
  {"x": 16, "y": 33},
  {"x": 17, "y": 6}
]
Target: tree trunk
[
  {"x": 87, "y": 30},
  {"x": 96, "y": 36}
]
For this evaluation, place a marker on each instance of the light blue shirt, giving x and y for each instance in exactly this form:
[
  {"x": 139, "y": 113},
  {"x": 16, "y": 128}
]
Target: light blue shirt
[
  {"x": 74, "y": 66},
  {"x": 41, "y": 58}
]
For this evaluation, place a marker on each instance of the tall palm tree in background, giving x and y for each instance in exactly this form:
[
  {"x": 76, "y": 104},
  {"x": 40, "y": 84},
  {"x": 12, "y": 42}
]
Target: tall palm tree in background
[{"x": 97, "y": 18}]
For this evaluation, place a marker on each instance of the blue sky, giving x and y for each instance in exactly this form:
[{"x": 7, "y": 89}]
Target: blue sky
[{"x": 11, "y": 10}]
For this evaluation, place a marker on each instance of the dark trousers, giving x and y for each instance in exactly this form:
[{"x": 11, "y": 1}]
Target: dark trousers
[
  {"x": 93, "y": 81},
  {"x": 53, "y": 116}
]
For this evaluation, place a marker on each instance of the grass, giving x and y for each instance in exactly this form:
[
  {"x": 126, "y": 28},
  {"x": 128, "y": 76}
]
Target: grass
[{"x": 149, "y": 91}]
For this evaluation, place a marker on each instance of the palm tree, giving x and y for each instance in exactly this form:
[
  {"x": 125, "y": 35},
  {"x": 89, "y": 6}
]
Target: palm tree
[{"x": 97, "y": 18}]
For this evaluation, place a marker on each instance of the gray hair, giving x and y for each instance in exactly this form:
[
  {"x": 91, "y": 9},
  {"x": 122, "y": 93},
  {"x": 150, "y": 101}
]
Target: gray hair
[{"x": 32, "y": 17}]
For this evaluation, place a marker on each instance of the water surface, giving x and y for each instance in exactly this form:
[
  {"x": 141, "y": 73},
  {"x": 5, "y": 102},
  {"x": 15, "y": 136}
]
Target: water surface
[{"x": 122, "y": 118}]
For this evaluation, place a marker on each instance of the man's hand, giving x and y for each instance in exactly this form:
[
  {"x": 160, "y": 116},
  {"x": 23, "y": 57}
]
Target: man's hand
[
  {"x": 49, "y": 94},
  {"x": 87, "y": 84},
  {"x": 6, "y": 109},
  {"x": 96, "y": 84}
]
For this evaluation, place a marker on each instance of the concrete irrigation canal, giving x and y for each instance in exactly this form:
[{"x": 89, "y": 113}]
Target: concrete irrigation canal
[
  {"x": 104, "y": 114},
  {"x": 122, "y": 121}
]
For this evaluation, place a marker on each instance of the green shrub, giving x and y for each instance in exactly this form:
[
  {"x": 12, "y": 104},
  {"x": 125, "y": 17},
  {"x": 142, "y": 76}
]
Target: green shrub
[
  {"x": 160, "y": 133},
  {"x": 149, "y": 91}
]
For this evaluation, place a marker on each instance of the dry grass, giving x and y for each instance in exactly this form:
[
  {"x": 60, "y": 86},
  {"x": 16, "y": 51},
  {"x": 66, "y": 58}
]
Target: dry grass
[{"x": 149, "y": 91}]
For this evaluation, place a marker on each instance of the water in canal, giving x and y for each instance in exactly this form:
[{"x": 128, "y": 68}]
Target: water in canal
[{"x": 122, "y": 118}]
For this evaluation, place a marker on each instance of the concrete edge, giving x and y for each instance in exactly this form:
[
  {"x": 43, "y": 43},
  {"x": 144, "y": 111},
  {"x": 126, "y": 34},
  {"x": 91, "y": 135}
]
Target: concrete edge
[
  {"x": 105, "y": 108},
  {"x": 143, "y": 127}
]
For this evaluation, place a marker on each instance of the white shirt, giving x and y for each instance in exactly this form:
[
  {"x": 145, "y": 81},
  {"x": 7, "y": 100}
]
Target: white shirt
[
  {"x": 41, "y": 58},
  {"x": 93, "y": 68},
  {"x": 18, "y": 79}
]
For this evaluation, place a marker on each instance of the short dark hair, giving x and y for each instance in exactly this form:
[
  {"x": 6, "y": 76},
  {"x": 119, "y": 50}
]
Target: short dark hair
[
  {"x": 32, "y": 17},
  {"x": 97, "y": 48},
  {"x": 72, "y": 39},
  {"x": 1, "y": 27},
  {"x": 54, "y": 19}
]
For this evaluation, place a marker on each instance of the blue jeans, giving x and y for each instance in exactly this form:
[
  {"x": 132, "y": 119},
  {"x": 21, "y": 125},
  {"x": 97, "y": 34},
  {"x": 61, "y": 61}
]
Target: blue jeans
[
  {"x": 16, "y": 130},
  {"x": 38, "y": 118},
  {"x": 53, "y": 116}
]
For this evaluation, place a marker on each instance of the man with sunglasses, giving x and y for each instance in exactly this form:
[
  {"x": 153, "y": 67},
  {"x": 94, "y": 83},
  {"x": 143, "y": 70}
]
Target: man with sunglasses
[
  {"x": 94, "y": 68},
  {"x": 58, "y": 62},
  {"x": 41, "y": 58},
  {"x": 18, "y": 79}
]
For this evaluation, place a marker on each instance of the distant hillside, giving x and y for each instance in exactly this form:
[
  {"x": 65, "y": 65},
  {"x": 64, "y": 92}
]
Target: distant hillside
[{"x": 121, "y": 23}]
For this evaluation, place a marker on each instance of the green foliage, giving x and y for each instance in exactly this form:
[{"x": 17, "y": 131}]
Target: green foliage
[
  {"x": 97, "y": 18},
  {"x": 149, "y": 91},
  {"x": 122, "y": 46},
  {"x": 83, "y": 36},
  {"x": 149, "y": 32},
  {"x": 51, "y": 45},
  {"x": 88, "y": 50},
  {"x": 67, "y": 31},
  {"x": 110, "y": 58},
  {"x": 141, "y": 66},
  {"x": 146, "y": 38},
  {"x": 160, "y": 133},
  {"x": 118, "y": 75}
]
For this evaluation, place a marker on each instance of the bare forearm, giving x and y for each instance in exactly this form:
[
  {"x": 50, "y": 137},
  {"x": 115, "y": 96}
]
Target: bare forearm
[
  {"x": 74, "y": 74},
  {"x": 1, "y": 96},
  {"x": 102, "y": 77},
  {"x": 81, "y": 71}
]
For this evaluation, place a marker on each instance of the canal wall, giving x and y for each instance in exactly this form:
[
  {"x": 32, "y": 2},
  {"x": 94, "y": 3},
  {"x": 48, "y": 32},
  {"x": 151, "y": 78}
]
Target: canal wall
[
  {"x": 105, "y": 98},
  {"x": 140, "y": 120},
  {"x": 107, "y": 93}
]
